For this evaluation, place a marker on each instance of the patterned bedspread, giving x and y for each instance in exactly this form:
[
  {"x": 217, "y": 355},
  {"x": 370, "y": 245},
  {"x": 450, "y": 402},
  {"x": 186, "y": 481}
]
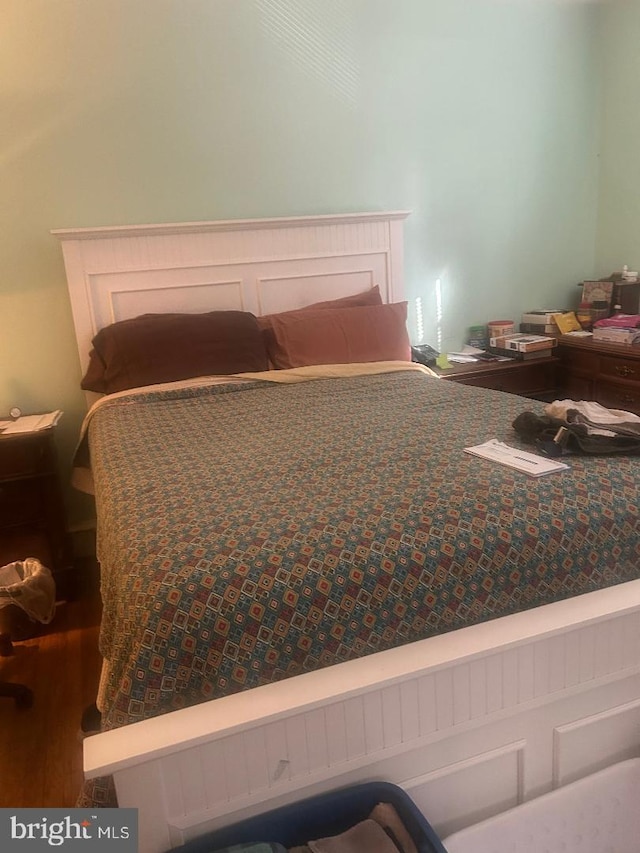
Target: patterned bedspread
[{"x": 252, "y": 531}]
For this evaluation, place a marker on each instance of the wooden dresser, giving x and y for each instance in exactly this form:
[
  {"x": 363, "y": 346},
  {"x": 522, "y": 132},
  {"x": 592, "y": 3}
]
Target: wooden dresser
[{"x": 604, "y": 372}]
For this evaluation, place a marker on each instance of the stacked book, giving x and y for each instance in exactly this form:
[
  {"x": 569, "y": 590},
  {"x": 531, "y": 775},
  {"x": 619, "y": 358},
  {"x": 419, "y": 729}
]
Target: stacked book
[
  {"x": 619, "y": 329},
  {"x": 540, "y": 322},
  {"x": 617, "y": 336},
  {"x": 523, "y": 346}
]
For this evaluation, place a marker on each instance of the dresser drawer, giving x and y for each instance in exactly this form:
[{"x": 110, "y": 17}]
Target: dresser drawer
[
  {"x": 620, "y": 368},
  {"x": 24, "y": 456},
  {"x": 615, "y": 395},
  {"x": 21, "y": 502},
  {"x": 580, "y": 361}
]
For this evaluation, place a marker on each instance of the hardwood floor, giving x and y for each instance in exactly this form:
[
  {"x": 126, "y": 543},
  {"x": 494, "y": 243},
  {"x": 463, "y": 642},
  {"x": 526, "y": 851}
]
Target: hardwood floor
[{"x": 41, "y": 747}]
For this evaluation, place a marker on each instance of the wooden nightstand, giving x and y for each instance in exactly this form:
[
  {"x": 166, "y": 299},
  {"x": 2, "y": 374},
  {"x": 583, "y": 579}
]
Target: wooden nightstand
[
  {"x": 535, "y": 378},
  {"x": 32, "y": 516}
]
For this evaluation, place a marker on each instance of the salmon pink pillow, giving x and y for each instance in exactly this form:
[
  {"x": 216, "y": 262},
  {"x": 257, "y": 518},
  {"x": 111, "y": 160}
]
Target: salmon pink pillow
[
  {"x": 367, "y": 297},
  {"x": 340, "y": 336}
]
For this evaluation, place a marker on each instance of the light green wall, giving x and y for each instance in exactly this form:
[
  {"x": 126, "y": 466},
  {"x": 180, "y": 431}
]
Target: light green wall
[
  {"x": 619, "y": 208},
  {"x": 481, "y": 117}
]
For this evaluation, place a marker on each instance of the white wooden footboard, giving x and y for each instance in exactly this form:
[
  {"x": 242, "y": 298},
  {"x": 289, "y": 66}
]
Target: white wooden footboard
[{"x": 469, "y": 723}]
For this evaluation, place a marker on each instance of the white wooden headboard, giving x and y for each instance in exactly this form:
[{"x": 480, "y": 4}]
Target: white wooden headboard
[{"x": 257, "y": 265}]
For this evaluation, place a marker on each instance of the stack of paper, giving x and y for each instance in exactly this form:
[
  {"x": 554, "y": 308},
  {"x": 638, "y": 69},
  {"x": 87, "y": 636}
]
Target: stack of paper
[
  {"x": 31, "y": 423},
  {"x": 521, "y": 460}
]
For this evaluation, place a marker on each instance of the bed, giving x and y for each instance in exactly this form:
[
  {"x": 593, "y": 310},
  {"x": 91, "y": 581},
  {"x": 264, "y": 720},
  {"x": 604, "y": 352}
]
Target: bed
[{"x": 306, "y": 582}]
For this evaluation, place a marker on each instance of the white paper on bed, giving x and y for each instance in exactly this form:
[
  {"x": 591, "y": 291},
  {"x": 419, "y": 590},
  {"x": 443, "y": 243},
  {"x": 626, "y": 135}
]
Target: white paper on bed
[{"x": 528, "y": 463}]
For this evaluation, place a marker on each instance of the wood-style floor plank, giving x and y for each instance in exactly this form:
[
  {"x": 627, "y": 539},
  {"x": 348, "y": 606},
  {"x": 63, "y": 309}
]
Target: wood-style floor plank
[{"x": 41, "y": 747}]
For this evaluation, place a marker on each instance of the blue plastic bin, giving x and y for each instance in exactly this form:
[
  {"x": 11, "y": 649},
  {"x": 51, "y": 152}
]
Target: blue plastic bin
[{"x": 319, "y": 817}]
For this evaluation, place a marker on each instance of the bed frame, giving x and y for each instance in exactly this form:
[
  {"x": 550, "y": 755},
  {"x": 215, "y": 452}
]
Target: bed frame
[{"x": 470, "y": 723}]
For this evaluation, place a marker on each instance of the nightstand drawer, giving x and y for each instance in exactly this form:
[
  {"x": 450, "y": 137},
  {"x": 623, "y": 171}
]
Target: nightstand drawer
[
  {"x": 22, "y": 456},
  {"x": 514, "y": 377},
  {"x": 530, "y": 378},
  {"x": 21, "y": 502}
]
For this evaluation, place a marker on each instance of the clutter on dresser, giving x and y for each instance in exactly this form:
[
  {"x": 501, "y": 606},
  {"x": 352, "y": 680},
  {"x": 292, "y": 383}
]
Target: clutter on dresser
[
  {"x": 620, "y": 329},
  {"x": 620, "y": 288},
  {"x": 467, "y": 355},
  {"x": 500, "y": 328},
  {"x": 600, "y": 292},
  {"x": 619, "y": 321},
  {"x": 478, "y": 337},
  {"x": 553, "y": 321},
  {"x": 540, "y": 321},
  {"x": 583, "y": 315},
  {"x": 522, "y": 346},
  {"x": 567, "y": 322},
  {"x": 424, "y": 354}
]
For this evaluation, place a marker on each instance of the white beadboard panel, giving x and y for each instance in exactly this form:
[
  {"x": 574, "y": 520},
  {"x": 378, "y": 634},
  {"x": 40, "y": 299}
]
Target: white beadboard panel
[
  {"x": 478, "y": 685},
  {"x": 595, "y": 742},
  {"x": 297, "y": 747},
  {"x": 354, "y": 723},
  {"x": 146, "y": 785},
  {"x": 427, "y": 704},
  {"x": 317, "y": 747},
  {"x": 543, "y": 652},
  {"x": 495, "y": 671},
  {"x": 510, "y": 678},
  {"x": 236, "y": 767},
  {"x": 587, "y": 653},
  {"x": 215, "y": 783},
  {"x": 277, "y": 755},
  {"x": 170, "y": 768},
  {"x": 373, "y": 722},
  {"x": 629, "y": 640},
  {"x": 461, "y": 694},
  {"x": 525, "y": 673},
  {"x": 557, "y": 666},
  {"x": 337, "y": 750},
  {"x": 603, "y": 662},
  {"x": 255, "y": 749},
  {"x": 572, "y": 660},
  {"x": 443, "y": 686},
  {"x": 191, "y": 777},
  {"x": 392, "y": 715},
  {"x": 477, "y": 788},
  {"x": 409, "y": 711}
]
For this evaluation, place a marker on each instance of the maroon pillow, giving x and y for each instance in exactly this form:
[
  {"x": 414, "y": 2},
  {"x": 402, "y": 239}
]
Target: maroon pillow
[{"x": 156, "y": 348}]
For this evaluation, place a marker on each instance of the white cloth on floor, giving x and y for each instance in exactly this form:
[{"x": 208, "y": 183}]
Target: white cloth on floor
[{"x": 29, "y": 585}]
